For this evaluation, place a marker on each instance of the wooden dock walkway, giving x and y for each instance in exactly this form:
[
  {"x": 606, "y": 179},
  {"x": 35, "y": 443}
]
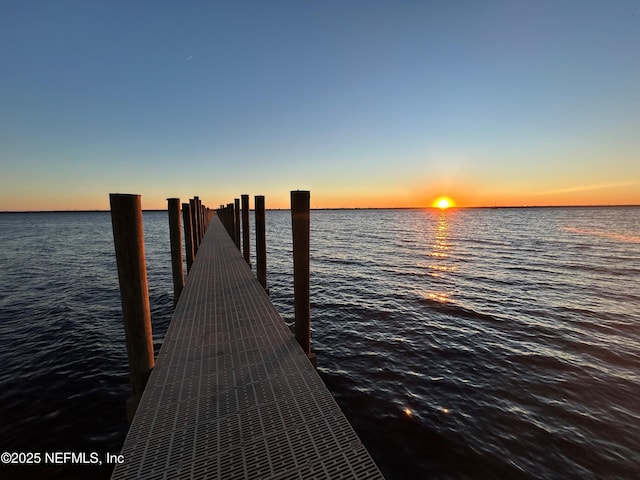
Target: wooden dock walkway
[{"x": 232, "y": 394}]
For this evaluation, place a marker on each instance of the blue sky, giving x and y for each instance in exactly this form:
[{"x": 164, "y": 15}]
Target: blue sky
[{"x": 365, "y": 103}]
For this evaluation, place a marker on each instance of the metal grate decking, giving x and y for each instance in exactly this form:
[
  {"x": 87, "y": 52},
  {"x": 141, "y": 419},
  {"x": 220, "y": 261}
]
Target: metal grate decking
[{"x": 232, "y": 394}]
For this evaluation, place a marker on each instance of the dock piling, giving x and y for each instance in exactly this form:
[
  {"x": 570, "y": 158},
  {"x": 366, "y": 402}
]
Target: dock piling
[
  {"x": 300, "y": 223},
  {"x": 229, "y": 224},
  {"x": 236, "y": 221},
  {"x": 202, "y": 225},
  {"x": 175, "y": 238},
  {"x": 198, "y": 217},
  {"x": 245, "y": 228},
  {"x": 194, "y": 230},
  {"x": 128, "y": 237},
  {"x": 188, "y": 238},
  {"x": 261, "y": 242}
]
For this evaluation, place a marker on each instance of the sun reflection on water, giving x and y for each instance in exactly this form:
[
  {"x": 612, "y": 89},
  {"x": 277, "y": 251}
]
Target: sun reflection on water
[
  {"x": 440, "y": 263},
  {"x": 440, "y": 297}
]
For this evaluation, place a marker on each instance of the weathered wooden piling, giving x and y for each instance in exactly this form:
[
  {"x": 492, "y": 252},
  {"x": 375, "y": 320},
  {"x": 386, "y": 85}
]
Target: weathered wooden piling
[
  {"x": 236, "y": 221},
  {"x": 199, "y": 213},
  {"x": 231, "y": 229},
  {"x": 261, "y": 242},
  {"x": 194, "y": 229},
  {"x": 300, "y": 223},
  {"x": 245, "y": 228},
  {"x": 202, "y": 225},
  {"x": 228, "y": 219},
  {"x": 204, "y": 218},
  {"x": 175, "y": 239},
  {"x": 188, "y": 239},
  {"x": 128, "y": 237},
  {"x": 200, "y": 220},
  {"x": 198, "y": 217}
]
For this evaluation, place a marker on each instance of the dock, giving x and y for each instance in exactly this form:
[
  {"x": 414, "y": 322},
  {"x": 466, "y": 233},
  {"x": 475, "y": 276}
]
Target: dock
[{"x": 232, "y": 394}]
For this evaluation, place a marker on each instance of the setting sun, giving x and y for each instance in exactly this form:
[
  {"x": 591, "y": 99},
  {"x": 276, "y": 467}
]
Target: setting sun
[{"x": 443, "y": 203}]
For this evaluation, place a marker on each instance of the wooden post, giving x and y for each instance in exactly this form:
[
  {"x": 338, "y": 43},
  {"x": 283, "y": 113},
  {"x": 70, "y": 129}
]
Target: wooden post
[
  {"x": 245, "y": 228},
  {"x": 231, "y": 228},
  {"x": 198, "y": 220},
  {"x": 204, "y": 219},
  {"x": 300, "y": 223},
  {"x": 128, "y": 237},
  {"x": 188, "y": 239},
  {"x": 261, "y": 242},
  {"x": 196, "y": 199},
  {"x": 175, "y": 238},
  {"x": 201, "y": 219},
  {"x": 194, "y": 230},
  {"x": 236, "y": 221}
]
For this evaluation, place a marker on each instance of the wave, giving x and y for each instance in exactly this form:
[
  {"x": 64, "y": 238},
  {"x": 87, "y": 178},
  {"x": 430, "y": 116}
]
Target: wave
[{"x": 621, "y": 237}]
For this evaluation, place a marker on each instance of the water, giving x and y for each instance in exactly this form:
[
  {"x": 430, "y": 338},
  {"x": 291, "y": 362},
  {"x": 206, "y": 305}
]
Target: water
[{"x": 480, "y": 343}]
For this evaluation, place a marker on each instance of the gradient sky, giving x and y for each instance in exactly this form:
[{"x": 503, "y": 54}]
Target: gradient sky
[{"x": 365, "y": 103}]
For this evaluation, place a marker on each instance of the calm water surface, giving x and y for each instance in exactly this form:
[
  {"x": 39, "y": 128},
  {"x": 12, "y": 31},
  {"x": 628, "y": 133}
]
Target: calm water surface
[{"x": 479, "y": 343}]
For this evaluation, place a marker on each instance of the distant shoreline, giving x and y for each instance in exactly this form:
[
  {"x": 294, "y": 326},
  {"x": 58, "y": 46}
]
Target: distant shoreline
[{"x": 358, "y": 208}]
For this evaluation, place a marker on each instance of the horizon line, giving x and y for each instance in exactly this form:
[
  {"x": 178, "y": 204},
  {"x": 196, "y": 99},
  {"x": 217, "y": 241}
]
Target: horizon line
[{"x": 456, "y": 207}]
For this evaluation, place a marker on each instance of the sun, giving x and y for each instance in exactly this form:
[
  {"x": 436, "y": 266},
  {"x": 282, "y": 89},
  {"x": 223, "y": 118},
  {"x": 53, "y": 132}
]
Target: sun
[{"x": 443, "y": 203}]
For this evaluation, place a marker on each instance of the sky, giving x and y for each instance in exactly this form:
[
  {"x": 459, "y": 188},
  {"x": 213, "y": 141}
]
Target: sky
[{"x": 365, "y": 103}]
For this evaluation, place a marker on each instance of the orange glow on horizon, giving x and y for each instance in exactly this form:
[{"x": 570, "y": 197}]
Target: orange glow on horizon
[{"x": 44, "y": 197}]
